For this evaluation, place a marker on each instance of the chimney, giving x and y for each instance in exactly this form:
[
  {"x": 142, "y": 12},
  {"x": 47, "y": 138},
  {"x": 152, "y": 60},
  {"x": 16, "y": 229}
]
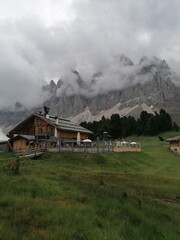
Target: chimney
[
  {"x": 46, "y": 111},
  {"x": 56, "y": 118}
]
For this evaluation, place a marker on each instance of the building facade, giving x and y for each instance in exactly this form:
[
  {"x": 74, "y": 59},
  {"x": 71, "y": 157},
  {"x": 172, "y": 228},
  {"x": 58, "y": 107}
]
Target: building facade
[{"x": 40, "y": 129}]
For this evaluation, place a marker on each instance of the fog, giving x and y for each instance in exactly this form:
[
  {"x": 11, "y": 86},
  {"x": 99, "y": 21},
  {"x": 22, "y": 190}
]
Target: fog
[{"x": 46, "y": 40}]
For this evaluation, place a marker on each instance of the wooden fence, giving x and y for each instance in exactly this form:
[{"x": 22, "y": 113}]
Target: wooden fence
[
  {"x": 31, "y": 152},
  {"x": 94, "y": 147},
  {"x": 97, "y": 147}
]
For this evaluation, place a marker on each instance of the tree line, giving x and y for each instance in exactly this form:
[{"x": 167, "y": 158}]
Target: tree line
[{"x": 118, "y": 127}]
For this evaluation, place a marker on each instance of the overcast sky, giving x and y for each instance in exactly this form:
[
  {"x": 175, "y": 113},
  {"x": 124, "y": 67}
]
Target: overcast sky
[{"x": 41, "y": 40}]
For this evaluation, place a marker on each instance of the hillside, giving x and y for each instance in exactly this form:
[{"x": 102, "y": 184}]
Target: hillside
[{"x": 98, "y": 196}]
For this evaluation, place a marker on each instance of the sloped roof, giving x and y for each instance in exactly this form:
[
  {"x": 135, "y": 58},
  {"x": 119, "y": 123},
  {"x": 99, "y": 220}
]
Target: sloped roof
[
  {"x": 27, "y": 137},
  {"x": 3, "y": 137},
  {"x": 177, "y": 138},
  {"x": 60, "y": 123},
  {"x": 66, "y": 125}
]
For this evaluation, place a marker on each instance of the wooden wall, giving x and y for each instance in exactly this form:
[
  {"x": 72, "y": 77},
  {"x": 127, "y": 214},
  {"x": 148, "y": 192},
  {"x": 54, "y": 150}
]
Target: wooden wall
[
  {"x": 42, "y": 127},
  {"x": 175, "y": 144},
  {"x": 34, "y": 126},
  {"x": 20, "y": 144},
  {"x": 26, "y": 128},
  {"x": 71, "y": 135},
  {"x": 37, "y": 126}
]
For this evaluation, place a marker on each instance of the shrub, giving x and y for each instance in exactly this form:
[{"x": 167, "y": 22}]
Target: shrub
[{"x": 13, "y": 166}]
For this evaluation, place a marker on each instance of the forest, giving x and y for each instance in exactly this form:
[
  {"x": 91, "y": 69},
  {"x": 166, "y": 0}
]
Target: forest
[{"x": 118, "y": 127}]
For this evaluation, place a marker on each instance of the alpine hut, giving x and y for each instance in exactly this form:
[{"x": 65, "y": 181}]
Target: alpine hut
[{"x": 42, "y": 129}]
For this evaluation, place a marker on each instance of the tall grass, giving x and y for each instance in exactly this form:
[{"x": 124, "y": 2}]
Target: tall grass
[{"x": 93, "y": 196}]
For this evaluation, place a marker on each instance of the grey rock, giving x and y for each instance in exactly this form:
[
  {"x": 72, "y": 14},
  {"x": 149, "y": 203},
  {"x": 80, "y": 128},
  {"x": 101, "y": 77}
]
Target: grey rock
[{"x": 152, "y": 83}]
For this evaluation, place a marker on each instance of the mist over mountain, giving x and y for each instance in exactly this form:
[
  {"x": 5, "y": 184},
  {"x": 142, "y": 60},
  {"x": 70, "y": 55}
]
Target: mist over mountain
[
  {"x": 151, "y": 82},
  {"x": 120, "y": 74},
  {"x": 122, "y": 87}
]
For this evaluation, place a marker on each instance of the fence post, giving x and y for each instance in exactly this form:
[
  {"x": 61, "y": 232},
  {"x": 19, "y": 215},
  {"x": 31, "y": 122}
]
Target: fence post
[
  {"x": 46, "y": 144},
  {"x": 85, "y": 147},
  {"x": 97, "y": 143},
  {"x": 108, "y": 146},
  {"x": 72, "y": 146},
  {"x": 59, "y": 140}
]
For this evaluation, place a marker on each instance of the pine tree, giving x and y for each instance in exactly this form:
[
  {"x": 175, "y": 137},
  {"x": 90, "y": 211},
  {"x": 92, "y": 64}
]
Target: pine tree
[{"x": 115, "y": 126}]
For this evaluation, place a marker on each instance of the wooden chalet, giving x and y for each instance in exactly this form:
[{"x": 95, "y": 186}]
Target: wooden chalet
[
  {"x": 174, "y": 144},
  {"x": 40, "y": 129}
]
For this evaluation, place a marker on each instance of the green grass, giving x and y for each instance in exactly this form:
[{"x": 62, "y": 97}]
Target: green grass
[{"x": 93, "y": 196}]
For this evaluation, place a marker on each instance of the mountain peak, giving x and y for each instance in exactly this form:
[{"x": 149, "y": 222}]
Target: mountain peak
[
  {"x": 149, "y": 82},
  {"x": 143, "y": 59},
  {"x": 59, "y": 83},
  {"x": 124, "y": 60},
  {"x": 52, "y": 83}
]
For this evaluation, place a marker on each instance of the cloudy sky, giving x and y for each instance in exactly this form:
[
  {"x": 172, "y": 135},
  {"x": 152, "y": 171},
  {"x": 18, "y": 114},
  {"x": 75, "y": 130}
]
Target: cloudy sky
[{"x": 41, "y": 40}]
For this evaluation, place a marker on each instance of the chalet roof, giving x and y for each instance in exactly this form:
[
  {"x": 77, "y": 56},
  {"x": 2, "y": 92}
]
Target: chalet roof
[
  {"x": 27, "y": 137},
  {"x": 66, "y": 125},
  {"x": 60, "y": 123},
  {"x": 177, "y": 138}
]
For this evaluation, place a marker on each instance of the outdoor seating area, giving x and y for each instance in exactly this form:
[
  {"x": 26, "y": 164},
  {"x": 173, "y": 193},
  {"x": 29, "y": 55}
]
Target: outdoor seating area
[
  {"x": 86, "y": 145},
  {"x": 96, "y": 146},
  {"x": 123, "y": 146}
]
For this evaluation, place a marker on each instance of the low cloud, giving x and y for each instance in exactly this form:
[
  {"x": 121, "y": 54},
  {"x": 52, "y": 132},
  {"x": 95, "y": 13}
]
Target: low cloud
[{"x": 46, "y": 40}]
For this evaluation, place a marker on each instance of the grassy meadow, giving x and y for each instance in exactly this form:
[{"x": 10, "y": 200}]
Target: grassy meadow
[{"x": 123, "y": 196}]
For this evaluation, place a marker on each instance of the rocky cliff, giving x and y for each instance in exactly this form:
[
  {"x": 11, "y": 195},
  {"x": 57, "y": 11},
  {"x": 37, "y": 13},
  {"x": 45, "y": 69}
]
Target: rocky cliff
[
  {"x": 124, "y": 87},
  {"x": 150, "y": 82}
]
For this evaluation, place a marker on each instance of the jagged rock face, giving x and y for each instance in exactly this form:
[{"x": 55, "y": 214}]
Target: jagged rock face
[
  {"x": 122, "y": 59},
  {"x": 150, "y": 82},
  {"x": 66, "y": 106}
]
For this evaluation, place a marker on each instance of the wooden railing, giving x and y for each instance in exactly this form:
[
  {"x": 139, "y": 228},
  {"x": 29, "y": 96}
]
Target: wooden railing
[{"x": 31, "y": 152}]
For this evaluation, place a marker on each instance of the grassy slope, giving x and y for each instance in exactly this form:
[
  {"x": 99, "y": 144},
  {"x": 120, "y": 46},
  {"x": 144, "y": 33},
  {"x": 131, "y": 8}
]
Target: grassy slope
[{"x": 83, "y": 196}]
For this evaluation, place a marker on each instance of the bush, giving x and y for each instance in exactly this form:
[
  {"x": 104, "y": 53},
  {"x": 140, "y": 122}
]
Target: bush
[{"x": 13, "y": 166}]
